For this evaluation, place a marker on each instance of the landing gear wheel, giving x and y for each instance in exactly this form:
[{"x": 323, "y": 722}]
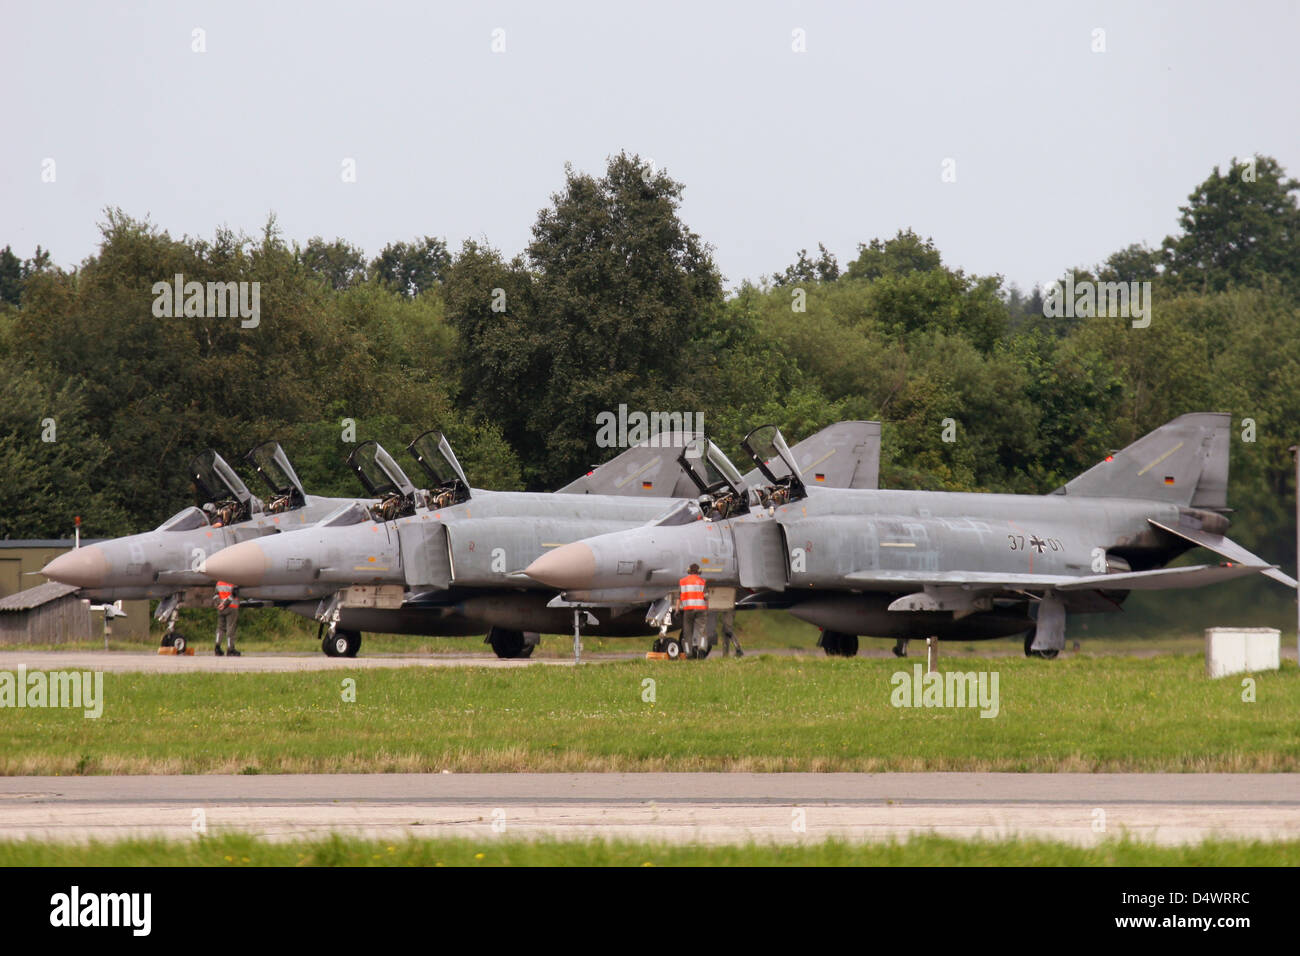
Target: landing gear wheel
[
  {"x": 839, "y": 644},
  {"x": 167, "y": 639},
  {"x": 1048, "y": 655},
  {"x": 179, "y": 643},
  {"x": 327, "y": 646},
  {"x": 673, "y": 648},
  {"x": 900, "y": 648},
  {"x": 507, "y": 644},
  {"x": 343, "y": 643}
]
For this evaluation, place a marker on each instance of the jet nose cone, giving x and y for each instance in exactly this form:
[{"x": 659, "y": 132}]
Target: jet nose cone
[
  {"x": 568, "y": 567},
  {"x": 243, "y": 564},
  {"x": 80, "y": 567}
]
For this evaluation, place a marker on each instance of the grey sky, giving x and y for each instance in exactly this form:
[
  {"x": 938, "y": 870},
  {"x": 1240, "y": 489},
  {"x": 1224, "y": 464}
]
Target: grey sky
[{"x": 1062, "y": 155}]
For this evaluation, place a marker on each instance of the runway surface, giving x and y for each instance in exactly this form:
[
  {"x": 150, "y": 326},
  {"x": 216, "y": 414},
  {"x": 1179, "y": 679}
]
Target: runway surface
[{"x": 684, "y": 808}]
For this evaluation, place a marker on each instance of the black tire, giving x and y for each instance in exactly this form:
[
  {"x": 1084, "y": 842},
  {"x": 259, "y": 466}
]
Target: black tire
[
  {"x": 673, "y": 648},
  {"x": 167, "y": 639},
  {"x": 839, "y": 644},
  {"x": 508, "y": 645},
  {"x": 179, "y": 643},
  {"x": 347, "y": 643},
  {"x": 341, "y": 643}
]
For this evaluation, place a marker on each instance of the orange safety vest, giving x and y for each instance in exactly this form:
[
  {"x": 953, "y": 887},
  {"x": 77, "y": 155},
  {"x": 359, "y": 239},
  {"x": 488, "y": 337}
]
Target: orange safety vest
[
  {"x": 226, "y": 590},
  {"x": 692, "y": 587}
]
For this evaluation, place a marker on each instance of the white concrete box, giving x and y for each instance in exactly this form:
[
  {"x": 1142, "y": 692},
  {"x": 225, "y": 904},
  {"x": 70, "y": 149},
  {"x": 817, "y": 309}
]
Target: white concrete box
[{"x": 1240, "y": 650}]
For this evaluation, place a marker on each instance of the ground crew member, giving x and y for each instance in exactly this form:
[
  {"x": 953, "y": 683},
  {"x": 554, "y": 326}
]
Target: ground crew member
[
  {"x": 728, "y": 620},
  {"x": 695, "y": 608},
  {"x": 227, "y": 602}
]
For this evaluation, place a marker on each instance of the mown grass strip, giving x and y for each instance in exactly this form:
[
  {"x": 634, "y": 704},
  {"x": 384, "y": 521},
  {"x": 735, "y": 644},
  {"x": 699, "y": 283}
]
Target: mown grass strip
[
  {"x": 759, "y": 713},
  {"x": 235, "y": 850}
]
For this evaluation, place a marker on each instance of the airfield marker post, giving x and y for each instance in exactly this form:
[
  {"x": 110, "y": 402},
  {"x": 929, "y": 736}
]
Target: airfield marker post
[
  {"x": 577, "y": 636},
  {"x": 931, "y": 654}
]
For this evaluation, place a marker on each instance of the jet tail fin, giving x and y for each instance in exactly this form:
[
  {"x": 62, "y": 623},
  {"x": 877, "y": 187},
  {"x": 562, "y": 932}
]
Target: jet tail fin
[
  {"x": 842, "y": 455},
  {"x": 1183, "y": 462},
  {"x": 647, "y": 470}
]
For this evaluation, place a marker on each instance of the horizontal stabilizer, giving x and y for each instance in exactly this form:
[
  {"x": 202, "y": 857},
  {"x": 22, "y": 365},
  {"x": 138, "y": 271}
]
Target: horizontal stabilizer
[{"x": 1225, "y": 547}]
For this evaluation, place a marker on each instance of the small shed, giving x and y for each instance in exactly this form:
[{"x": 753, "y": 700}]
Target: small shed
[{"x": 49, "y": 613}]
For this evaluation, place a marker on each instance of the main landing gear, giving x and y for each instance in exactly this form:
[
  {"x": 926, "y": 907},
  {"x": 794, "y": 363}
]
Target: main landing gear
[
  {"x": 511, "y": 644},
  {"x": 340, "y": 643},
  {"x": 839, "y": 644}
]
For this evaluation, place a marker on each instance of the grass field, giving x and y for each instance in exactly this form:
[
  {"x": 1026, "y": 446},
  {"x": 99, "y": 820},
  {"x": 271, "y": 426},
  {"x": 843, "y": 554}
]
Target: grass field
[
  {"x": 246, "y": 851},
  {"x": 764, "y": 713}
]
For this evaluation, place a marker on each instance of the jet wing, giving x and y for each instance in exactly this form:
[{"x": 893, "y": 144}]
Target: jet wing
[
  {"x": 1226, "y": 547},
  {"x": 1158, "y": 579}
]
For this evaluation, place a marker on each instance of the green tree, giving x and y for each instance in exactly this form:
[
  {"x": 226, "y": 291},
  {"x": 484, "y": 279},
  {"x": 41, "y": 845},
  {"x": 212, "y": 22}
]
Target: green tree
[
  {"x": 616, "y": 298},
  {"x": 906, "y": 252},
  {"x": 825, "y": 268},
  {"x": 338, "y": 263},
  {"x": 11, "y": 277},
  {"x": 412, "y": 267},
  {"x": 1237, "y": 228}
]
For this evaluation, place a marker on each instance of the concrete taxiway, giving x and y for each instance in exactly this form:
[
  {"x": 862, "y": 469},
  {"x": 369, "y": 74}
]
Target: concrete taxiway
[{"x": 686, "y": 808}]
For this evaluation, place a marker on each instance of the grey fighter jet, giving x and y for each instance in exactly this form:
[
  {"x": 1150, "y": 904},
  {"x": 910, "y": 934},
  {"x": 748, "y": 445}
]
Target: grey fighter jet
[
  {"x": 446, "y": 560},
  {"x": 163, "y": 564},
  {"x": 906, "y": 564}
]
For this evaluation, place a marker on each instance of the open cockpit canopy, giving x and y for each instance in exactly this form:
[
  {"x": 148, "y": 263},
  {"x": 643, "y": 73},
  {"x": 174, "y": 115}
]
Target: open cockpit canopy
[
  {"x": 220, "y": 492},
  {"x": 273, "y": 467},
  {"x": 447, "y": 484}
]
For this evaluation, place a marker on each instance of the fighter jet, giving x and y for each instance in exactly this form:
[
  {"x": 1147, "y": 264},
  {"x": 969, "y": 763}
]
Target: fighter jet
[
  {"x": 163, "y": 564},
  {"x": 446, "y": 560},
  {"x": 956, "y": 566}
]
